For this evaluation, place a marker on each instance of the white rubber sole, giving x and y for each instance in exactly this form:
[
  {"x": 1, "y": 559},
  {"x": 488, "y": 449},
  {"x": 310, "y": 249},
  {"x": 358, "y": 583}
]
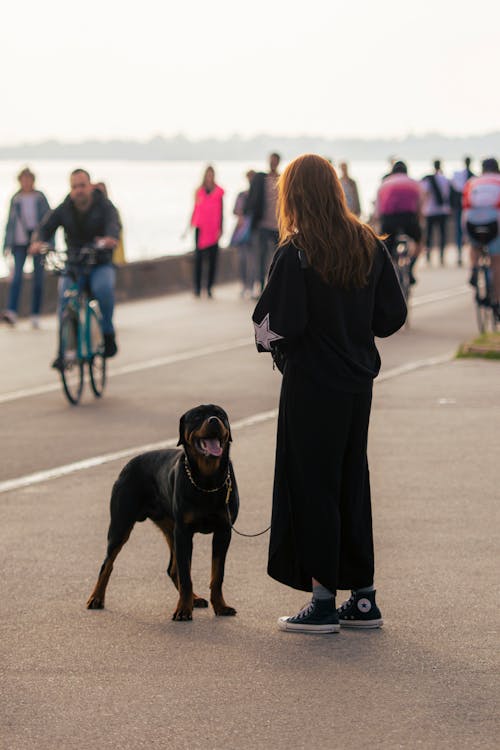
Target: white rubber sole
[
  {"x": 364, "y": 624},
  {"x": 284, "y": 624}
]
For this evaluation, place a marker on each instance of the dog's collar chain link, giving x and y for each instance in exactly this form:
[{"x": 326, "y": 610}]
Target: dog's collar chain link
[{"x": 227, "y": 481}]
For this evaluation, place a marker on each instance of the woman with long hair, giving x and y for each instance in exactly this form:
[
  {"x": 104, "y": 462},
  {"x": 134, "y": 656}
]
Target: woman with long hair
[
  {"x": 207, "y": 221},
  {"x": 331, "y": 289}
]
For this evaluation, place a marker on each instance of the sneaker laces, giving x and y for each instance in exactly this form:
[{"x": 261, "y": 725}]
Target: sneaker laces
[
  {"x": 347, "y": 603},
  {"x": 305, "y": 611}
]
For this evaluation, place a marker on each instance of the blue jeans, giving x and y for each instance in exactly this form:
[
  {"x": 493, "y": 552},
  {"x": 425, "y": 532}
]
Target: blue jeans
[
  {"x": 102, "y": 287},
  {"x": 20, "y": 253}
]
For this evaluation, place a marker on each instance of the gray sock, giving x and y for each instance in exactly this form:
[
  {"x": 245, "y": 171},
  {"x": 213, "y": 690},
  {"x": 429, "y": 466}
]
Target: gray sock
[
  {"x": 365, "y": 589},
  {"x": 321, "y": 592}
]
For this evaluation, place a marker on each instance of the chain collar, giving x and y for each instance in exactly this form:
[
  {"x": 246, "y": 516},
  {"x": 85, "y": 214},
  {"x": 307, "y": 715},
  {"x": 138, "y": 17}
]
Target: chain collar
[{"x": 227, "y": 481}]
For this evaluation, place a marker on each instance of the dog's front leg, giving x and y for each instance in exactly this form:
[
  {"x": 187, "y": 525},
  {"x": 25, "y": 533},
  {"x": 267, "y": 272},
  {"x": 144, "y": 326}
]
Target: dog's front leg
[
  {"x": 220, "y": 545},
  {"x": 183, "y": 541}
]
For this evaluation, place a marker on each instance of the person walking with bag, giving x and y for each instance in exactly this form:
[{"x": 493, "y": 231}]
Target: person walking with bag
[
  {"x": 27, "y": 208},
  {"x": 331, "y": 289},
  {"x": 207, "y": 221}
]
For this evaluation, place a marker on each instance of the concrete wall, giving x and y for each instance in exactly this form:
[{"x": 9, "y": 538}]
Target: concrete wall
[{"x": 137, "y": 280}]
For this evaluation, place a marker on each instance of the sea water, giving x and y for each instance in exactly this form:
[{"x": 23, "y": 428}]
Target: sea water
[{"x": 155, "y": 198}]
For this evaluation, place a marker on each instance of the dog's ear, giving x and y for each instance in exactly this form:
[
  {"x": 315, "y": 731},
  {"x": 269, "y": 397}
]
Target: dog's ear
[{"x": 182, "y": 423}]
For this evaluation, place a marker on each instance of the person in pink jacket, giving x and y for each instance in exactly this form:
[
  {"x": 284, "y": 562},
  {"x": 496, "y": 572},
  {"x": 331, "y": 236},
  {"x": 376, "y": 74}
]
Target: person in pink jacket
[{"x": 207, "y": 222}]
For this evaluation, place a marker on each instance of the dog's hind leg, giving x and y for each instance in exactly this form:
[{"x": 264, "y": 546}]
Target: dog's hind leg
[
  {"x": 118, "y": 534},
  {"x": 166, "y": 526},
  {"x": 220, "y": 545}
]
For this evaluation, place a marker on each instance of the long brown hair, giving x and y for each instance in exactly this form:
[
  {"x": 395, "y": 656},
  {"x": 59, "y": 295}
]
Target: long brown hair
[{"x": 313, "y": 214}]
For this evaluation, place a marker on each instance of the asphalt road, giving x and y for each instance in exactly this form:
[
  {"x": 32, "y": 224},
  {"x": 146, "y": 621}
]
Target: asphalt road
[{"x": 130, "y": 677}]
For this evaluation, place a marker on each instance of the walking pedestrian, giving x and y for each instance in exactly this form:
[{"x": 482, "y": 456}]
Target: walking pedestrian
[
  {"x": 242, "y": 240},
  {"x": 457, "y": 184},
  {"x": 350, "y": 189},
  {"x": 261, "y": 207},
  {"x": 436, "y": 208},
  {"x": 207, "y": 218},
  {"x": 332, "y": 287},
  {"x": 27, "y": 207}
]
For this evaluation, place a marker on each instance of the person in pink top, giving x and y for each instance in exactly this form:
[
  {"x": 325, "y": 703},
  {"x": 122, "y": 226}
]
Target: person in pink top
[
  {"x": 207, "y": 221},
  {"x": 399, "y": 206}
]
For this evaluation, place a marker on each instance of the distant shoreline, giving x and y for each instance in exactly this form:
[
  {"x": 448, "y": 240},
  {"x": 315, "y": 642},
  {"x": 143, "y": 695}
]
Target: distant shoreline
[{"x": 180, "y": 148}]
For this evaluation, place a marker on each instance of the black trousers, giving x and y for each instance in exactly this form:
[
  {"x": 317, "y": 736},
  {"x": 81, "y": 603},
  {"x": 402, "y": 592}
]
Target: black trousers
[
  {"x": 208, "y": 257},
  {"x": 439, "y": 222},
  {"x": 321, "y": 521}
]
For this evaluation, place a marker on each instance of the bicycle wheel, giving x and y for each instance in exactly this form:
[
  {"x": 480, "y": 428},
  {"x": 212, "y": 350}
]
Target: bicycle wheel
[
  {"x": 71, "y": 365},
  {"x": 97, "y": 360},
  {"x": 483, "y": 309}
]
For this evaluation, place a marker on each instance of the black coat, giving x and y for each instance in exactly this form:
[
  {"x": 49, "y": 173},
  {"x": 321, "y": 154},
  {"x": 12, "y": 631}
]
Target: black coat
[
  {"x": 328, "y": 331},
  {"x": 321, "y": 520},
  {"x": 80, "y": 229}
]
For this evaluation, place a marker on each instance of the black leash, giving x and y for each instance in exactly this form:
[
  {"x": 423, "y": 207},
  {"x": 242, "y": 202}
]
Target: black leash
[{"x": 227, "y": 483}]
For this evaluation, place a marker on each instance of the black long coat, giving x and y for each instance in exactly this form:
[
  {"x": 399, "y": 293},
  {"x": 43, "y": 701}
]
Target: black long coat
[{"x": 323, "y": 341}]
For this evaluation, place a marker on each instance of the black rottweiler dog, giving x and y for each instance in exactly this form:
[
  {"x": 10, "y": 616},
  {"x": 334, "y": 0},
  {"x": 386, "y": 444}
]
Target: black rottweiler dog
[{"x": 183, "y": 491}]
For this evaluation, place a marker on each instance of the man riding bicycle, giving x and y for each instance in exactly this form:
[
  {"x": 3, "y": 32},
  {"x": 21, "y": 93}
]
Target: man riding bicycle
[
  {"x": 88, "y": 218},
  {"x": 398, "y": 206},
  {"x": 481, "y": 221}
]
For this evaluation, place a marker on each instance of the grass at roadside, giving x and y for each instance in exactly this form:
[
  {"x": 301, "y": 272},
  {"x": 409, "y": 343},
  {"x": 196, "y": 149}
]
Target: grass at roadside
[{"x": 486, "y": 346}]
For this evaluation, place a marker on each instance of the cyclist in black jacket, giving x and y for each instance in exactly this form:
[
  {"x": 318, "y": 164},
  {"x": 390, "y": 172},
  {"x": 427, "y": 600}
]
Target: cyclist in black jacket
[{"x": 88, "y": 218}]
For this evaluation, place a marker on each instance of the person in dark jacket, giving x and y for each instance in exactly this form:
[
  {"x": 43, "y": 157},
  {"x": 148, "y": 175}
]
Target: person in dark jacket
[
  {"x": 261, "y": 208},
  {"x": 331, "y": 289},
  {"x": 27, "y": 207},
  {"x": 88, "y": 218}
]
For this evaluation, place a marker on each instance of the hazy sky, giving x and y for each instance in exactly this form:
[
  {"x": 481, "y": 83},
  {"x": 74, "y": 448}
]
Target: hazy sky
[{"x": 322, "y": 67}]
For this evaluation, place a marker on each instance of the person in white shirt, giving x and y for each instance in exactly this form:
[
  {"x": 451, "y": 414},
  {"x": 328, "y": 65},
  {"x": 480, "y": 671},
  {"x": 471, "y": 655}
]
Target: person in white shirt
[
  {"x": 457, "y": 184},
  {"x": 27, "y": 208},
  {"x": 436, "y": 208}
]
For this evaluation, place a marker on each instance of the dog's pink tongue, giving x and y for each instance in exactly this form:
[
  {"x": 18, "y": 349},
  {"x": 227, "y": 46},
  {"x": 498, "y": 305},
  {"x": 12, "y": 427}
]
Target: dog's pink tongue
[{"x": 212, "y": 446}]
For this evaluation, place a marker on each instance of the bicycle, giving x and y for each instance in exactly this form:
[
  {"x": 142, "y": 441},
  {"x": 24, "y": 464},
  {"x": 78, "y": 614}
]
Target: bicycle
[
  {"x": 483, "y": 293},
  {"x": 81, "y": 339},
  {"x": 403, "y": 263},
  {"x": 480, "y": 235},
  {"x": 401, "y": 257}
]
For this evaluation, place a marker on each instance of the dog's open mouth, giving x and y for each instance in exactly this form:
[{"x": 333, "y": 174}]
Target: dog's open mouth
[{"x": 210, "y": 446}]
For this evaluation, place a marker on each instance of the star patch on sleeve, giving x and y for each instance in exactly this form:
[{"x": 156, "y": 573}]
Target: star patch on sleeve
[{"x": 264, "y": 335}]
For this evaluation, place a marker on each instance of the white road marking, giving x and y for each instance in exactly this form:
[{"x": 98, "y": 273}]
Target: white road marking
[
  {"x": 264, "y": 416},
  {"x": 426, "y": 299},
  {"x": 171, "y": 359},
  {"x": 137, "y": 367}
]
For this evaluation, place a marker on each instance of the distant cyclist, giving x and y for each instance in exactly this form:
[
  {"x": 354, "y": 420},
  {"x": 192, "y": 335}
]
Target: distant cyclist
[
  {"x": 398, "y": 207},
  {"x": 481, "y": 220},
  {"x": 88, "y": 218}
]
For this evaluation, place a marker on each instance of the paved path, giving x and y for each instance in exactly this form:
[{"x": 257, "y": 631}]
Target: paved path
[{"x": 130, "y": 677}]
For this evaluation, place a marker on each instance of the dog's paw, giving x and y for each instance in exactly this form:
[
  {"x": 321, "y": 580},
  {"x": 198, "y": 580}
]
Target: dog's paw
[
  {"x": 225, "y": 611},
  {"x": 199, "y": 602},
  {"x": 181, "y": 614},
  {"x": 95, "y": 603}
]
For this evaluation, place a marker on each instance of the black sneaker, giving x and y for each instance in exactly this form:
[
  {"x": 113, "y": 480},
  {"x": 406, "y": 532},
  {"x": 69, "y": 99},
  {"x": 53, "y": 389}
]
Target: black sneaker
[
  {"x": 360, "y": 611},
  {"x": 318, "y": 616},
  {"x": 473, "y": 276},
  {"x": 58, "y": 363},
  {"x": 110, "y": 347}
]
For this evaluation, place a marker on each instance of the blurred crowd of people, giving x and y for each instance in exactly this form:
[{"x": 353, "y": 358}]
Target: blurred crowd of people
[{"x": 430, "y": 210}]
